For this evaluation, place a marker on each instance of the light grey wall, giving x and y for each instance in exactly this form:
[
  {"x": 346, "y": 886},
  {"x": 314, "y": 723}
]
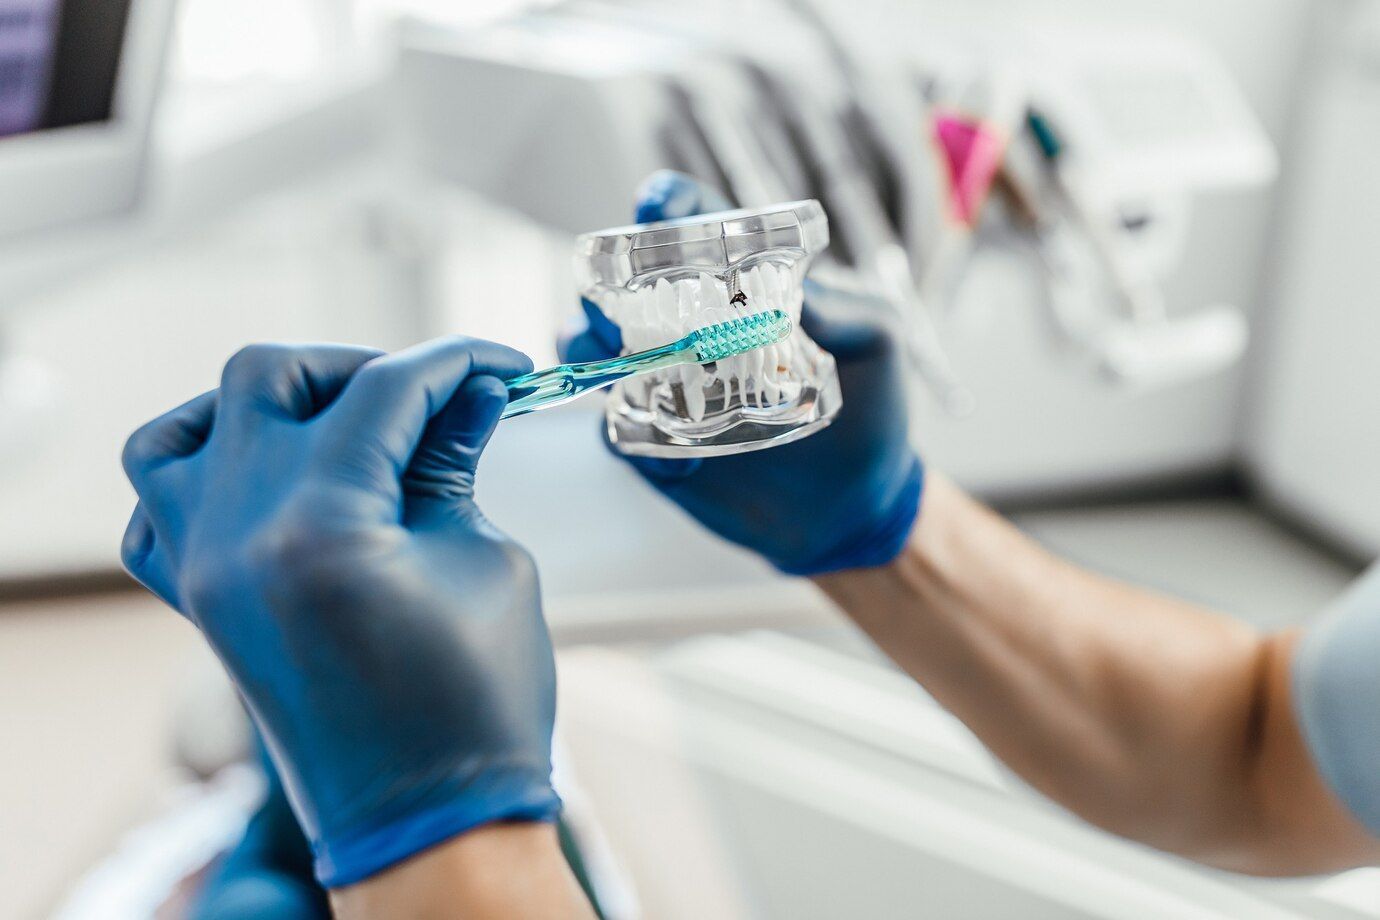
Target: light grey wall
[{"x": 1313, "y": 437}]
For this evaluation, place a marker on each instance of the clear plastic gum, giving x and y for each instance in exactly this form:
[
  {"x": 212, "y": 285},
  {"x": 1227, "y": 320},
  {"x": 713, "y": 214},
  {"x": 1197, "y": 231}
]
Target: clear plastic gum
[{"x": 660, "y": 281}]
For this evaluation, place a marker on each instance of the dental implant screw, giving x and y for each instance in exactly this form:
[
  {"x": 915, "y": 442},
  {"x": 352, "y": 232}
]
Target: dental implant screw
[{"x": 735, "y": 285}]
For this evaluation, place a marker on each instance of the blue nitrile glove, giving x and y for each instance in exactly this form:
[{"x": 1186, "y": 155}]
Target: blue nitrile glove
[
  {"x": 843, "y": 498},
  {"x": 315, "y": 518},
  {"x": 268, "y": 875}
]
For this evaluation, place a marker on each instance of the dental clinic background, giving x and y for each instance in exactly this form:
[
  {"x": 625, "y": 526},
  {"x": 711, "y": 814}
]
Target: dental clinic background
[{"x": 1128, "y": 247}]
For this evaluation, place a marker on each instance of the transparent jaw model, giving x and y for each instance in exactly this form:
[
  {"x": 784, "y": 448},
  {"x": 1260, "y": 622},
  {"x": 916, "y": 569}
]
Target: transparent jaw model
[{"x": 661, "y": 281}]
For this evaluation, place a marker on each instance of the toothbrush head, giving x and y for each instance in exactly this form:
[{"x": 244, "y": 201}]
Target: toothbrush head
[{"x": 743, "y": 334}]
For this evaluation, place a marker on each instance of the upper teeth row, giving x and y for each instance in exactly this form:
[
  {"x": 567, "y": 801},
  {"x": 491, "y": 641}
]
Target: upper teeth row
[
  {"x": 663, "y": 312},
  {"x": 667, "y": 310}
]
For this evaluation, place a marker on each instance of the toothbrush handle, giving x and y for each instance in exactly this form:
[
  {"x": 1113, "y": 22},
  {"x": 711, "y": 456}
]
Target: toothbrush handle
[{"x": 565, "y": 382}]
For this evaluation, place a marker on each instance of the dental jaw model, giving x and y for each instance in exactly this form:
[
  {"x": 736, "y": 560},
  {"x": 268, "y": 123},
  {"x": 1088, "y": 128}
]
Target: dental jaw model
[{"x": 661, "y": 281}]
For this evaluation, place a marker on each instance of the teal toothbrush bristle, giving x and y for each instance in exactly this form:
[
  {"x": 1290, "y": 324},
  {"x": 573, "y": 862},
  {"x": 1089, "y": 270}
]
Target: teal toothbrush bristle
[{"x": 736, "y": 336}]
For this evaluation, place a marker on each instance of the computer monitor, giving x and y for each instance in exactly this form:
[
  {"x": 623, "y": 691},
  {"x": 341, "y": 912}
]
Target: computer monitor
[{"x": 78, "y": 79}]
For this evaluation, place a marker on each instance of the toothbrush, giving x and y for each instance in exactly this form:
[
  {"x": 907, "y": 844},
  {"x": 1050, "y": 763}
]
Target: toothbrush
[{"x": 565, "y": 382}]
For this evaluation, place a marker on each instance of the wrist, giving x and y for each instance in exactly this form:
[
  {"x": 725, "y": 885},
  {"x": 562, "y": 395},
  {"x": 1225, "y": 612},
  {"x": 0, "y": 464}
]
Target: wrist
[
  {"x": 508, "y": 870},
  {"x": 922, "y": 563},
  {"x": 438, "y": 807}
]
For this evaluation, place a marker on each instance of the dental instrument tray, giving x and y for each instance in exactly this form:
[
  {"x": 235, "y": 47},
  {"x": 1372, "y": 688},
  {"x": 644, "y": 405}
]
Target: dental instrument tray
[{"x": 659, "y": 282}]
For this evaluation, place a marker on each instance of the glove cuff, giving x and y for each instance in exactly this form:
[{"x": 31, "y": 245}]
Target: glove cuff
[
  {"x": 880, "y": 543},
  {"x": 509, "y": 797}
]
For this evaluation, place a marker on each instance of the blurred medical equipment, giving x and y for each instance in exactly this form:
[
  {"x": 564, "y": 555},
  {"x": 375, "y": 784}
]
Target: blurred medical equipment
[
  {"x": 902, "y": 146},
  {"x": 1146, "y": 346},
  {"x": 1125, "y": 132},
  {"x": 78, "y": 80},
  {"x": 658, "y": 281}
]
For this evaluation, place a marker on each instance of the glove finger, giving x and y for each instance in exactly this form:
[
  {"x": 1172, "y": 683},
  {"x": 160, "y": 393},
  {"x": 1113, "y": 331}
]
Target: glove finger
[
  {"x": 264, "y": 894},
  {"x": 145, "y": 559},
  {"x": 582, "y": 345},
  {"x": 288, "y": 381},
  {"x": 604, "y": 330},
  {"x": 667, "y": 195},
  {"x": 851, "y": 327},
  {"x": 147, "y": 456},
  {"x": 373, "y": 429},
  {"x": 171, "y": 436},
  {"x": 447, "y": 459},
  {"x": 663, "y": 471}
]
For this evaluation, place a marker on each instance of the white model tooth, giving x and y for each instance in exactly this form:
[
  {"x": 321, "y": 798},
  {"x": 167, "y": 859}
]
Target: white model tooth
[
  {"x": 641, "y": 306},
  {"x": 665, "y": 308},
  {"x": 625, "y": 307},
  {"x": 791, "y": 292},
  {"x": 787, "y": 291},
  {"x": 787, "y": 288},
  {"x": 708, "y": 291},
  {"x": 756, "y": 292},
  {"x": 645, "y": 306},
  {"x": 770, "y": 286},
  {"x": 608, "y": 304},
  {"x": 687, "y": 304},
  {"x": 618, "y": 306},
  {"x": 769, "y": 385},
  {"x": 757, "y": 362},
  {"x": 692, "y": 380},
  {"x": 717, "y": 296}
]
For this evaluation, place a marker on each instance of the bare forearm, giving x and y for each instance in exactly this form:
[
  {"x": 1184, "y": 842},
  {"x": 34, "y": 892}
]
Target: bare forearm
[
  {"x": 498, "y": 872},
  {"x": 1145, "y": 715}
]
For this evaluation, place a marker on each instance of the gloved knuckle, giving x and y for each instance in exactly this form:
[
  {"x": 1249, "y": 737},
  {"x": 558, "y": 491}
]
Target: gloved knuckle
[
  {"x": 886, "y": 333},
  {"x": 253, "y": 362},
  {"x": 138, "y": 452},
  {"x": 288, "y": 549},
  {"x": 206, "y": 582},
  {"x": 520, "y": 563},
  {"x": 379, "y": 374},
  {"x": 134, "y": 547}
]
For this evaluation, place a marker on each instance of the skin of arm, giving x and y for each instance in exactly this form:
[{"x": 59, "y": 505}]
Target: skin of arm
[
  {"x": 512, "y": 871},
  {"x": 1154, "y": 719}
]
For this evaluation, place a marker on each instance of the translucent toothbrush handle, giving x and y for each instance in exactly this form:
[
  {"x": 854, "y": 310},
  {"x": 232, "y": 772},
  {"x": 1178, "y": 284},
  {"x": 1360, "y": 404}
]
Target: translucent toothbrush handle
[{"x": 564, "y": 382}]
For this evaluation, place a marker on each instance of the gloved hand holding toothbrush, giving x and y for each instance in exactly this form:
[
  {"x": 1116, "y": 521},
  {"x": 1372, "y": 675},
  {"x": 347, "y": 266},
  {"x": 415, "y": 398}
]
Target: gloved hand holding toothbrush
[
  {"x": 314, "y": 517},
  {"x": 843, "y": 498}
]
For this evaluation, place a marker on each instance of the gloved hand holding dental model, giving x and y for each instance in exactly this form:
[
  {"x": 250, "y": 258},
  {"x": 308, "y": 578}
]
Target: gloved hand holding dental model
[
  {"x": 845, "y": 496},
  {"x": 315, "y": 519}
]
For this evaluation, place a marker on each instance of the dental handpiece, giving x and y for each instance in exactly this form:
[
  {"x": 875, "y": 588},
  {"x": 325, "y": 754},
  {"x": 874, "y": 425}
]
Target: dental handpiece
[{"x": 565, "y": 382}]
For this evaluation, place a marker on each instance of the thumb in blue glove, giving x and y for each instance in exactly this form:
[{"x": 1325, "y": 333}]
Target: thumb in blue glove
[
  {"x": 315, "y": 518},
  {"x": 845, "y": 497}
]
